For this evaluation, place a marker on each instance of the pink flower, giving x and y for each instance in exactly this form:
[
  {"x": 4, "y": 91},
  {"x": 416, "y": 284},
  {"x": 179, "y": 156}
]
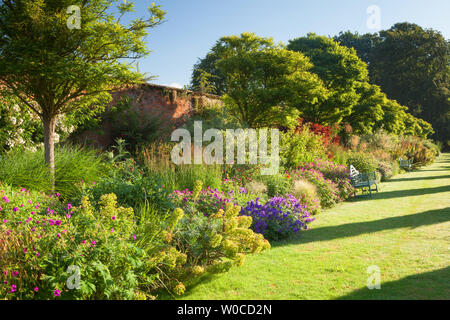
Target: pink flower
[
  {"x": 134, "y": 237},
  {"x": 15, "y": 273},
  {"x": 94, "y": 242},
  {"x": 36, "y": 289},
  {"x": 13, "y": 288},
  {"x": 57, "y": 293},
  {"x": 114, "y": 217}
]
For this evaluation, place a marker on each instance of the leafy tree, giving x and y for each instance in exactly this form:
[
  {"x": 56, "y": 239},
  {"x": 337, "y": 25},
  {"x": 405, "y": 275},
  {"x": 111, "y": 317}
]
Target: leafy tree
[
  {"x": 393, "y": 117},
  {"x": 339, "y": 68},
  {"x": 368, "y": 110},
  {"x": 265, "y": 84},
  {"x": 55, "y": 68},
  {"x": 363, "y": 44},
  {"x": 205, "y": 69},
  {"x": 411, "y": 65}
]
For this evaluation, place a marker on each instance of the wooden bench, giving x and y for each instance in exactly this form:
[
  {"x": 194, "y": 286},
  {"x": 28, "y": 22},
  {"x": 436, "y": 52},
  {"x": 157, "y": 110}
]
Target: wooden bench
[
  {"x": 363, "y": 180},
  {"x": 405, "y": 164}
]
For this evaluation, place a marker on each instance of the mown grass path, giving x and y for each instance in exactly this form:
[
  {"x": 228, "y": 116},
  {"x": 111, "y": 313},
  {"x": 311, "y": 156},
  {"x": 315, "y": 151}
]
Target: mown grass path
[{"x": 404, "y": 230}]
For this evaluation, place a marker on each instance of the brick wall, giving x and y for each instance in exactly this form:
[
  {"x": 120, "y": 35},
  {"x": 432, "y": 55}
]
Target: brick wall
[{"x": 171, "y": 105}]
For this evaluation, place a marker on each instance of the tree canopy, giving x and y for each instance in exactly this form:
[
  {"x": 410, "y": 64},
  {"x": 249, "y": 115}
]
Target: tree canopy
[
  {"x": 339, "y": 68},
  {"x": 264, "y": 84},
  {"x": 411, "y": 65},
  {"x": 54, "y": 69}
]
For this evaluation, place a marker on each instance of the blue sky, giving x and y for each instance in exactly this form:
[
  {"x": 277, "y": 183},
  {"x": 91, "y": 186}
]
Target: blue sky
[{"x": 193, "y": 26}]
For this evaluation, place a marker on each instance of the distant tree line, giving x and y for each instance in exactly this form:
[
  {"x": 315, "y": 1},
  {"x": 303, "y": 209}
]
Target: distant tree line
[{"x": 396, "y": 79}]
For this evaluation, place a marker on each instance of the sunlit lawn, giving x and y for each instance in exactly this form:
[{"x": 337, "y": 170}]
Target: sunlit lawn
[{"x": 404, "y": 230}]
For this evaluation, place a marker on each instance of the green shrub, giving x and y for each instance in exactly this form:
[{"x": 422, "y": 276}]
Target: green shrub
[
  {"x": 363, "y": 162},
  {"x": 132, "y": 191},
  {"x": 277, "y": 184},
  {"x": 297, "y": 148},
  {"x": 24, "y": 168}
]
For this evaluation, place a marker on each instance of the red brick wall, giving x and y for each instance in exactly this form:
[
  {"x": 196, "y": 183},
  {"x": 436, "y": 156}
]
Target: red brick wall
[{"x": 172, "y": 105}]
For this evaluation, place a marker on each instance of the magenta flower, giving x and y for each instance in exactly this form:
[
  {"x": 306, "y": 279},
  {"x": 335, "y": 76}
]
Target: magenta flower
[
  {"x": 69, "y": 206},
  {"x": 94, "y": 242},
  {"x": 5, "y": 198},
  {"x": 134, "y": 237},
  {"x": 15, "y": 273},
  {"x": 13, "y": 288},
  {"x": 112, "y": 230},
  {"x": 4, "y": 220},
  {"x": 15, "y": 209},
  {"x": 114, "y": 217},
  {"x": 37, "y": 254},
  {"x": 36, "y": 289},
  {"x": 57, "y": 293}
]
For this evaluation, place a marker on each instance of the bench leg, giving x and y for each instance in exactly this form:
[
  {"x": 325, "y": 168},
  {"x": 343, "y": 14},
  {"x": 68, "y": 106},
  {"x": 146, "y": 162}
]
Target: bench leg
[{"x": 370, "y": 191}]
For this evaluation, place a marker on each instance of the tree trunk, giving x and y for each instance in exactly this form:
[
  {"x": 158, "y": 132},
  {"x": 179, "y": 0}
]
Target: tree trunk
[{"x": 49, "y": 145}]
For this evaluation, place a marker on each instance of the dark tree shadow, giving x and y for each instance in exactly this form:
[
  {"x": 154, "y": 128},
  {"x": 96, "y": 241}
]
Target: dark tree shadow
[
  {"x": 428, "y": 285},
  {"x": 418, "y": 178},
  {"x": 400, "y": 193},
  {"x": 358, "y": 228}
]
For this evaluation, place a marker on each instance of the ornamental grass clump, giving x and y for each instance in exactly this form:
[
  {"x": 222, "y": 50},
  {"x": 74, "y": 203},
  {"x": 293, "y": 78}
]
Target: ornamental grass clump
[
  {"x": 327, "y": 190},
  {"x": 279, "y": 218}
]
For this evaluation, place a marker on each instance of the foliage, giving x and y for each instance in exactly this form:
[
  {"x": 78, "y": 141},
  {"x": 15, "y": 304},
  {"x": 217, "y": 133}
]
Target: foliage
[
  {"x": 411, "y": 65},
  {"x": 79, "y": 66},
  {"x": 306, "y": 193},
  {"x": 298, "y": 147},
  {"x": 279, "y": 218},
  {"x": 263, "y": 83},
  {"x": 363, "y": 162},
  {"x": 76, "y": 165},
  {"x": 44, "y": 244},
  {"x": 277, "y": 184},
  {"x": 131, "y": 187},
  {"x": 327, "y": 190},
  {"x": 340, "y": 69}
]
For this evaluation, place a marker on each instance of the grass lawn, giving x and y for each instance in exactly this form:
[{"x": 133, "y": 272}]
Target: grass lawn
[{"x": 404, "y": 230}]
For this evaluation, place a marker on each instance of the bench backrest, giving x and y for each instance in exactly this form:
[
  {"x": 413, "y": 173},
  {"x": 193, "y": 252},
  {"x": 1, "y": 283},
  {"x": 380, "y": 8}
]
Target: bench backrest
[
  {"x": 353, "y": 172},
  {"x": 357, "y": 177}
]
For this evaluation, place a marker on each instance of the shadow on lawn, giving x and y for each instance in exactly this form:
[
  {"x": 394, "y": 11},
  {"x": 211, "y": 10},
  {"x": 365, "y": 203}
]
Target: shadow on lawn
[
  {"x": 400, "y": 193},
  {"x": 357, "y": 228},
  {"x": 418, "y": 178},
  {"x": 428, "y": 285}
]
